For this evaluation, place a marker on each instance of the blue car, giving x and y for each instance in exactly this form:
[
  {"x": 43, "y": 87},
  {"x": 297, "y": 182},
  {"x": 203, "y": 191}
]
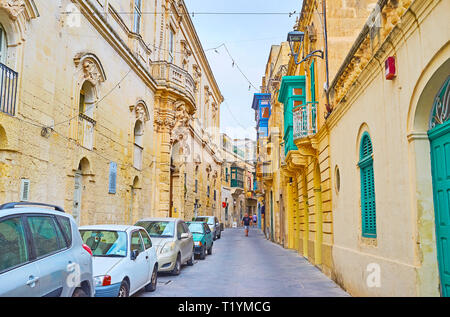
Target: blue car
[{"x": 203, "y": 239}]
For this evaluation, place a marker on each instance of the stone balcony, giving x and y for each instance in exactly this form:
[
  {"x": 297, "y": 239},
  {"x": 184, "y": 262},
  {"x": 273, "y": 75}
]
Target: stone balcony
[{"x": 174, "y": 78}]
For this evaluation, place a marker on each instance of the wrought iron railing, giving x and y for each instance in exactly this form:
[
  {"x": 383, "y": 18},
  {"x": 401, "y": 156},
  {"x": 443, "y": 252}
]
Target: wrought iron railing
[
  {"x": 8, "y": 90},
  {"x": 305, "y": 120}
]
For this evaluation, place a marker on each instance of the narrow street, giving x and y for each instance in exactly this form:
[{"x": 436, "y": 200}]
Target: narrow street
[{"x": 247, "y": 267}]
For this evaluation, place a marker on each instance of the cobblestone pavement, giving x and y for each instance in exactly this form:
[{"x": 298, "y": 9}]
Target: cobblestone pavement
[{"x": 247, "y": 267}]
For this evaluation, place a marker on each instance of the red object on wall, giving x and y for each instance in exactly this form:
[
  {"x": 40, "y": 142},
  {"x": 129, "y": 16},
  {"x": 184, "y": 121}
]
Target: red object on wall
[
  {"x": 224, "y": 204},
  {"x": 391, "y": 72}
]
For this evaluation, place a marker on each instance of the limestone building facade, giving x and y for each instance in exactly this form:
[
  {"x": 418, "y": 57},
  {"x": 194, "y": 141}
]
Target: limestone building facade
[{"x": 110, "y": 112}]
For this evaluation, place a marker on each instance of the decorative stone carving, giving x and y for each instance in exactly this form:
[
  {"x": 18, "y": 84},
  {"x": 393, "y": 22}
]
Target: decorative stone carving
[
  {"x": 13, "y": 7},
  {"x": 91, "y": 72}
]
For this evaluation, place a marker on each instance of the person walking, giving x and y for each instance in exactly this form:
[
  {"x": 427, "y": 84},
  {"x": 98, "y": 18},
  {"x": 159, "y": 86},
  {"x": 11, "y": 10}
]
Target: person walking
[
  {"x": 255, "y": 220},
  {"x": 246, "y": 223}
]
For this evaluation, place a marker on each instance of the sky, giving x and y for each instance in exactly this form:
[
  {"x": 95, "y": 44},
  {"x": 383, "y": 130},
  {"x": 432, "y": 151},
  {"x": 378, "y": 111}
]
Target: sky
[{"x": 248, "y": 39}]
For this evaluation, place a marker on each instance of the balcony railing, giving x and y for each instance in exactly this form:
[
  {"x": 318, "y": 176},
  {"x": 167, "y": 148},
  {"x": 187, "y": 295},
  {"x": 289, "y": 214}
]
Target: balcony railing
[
  {"x": 172, "y": 76},
  {"x": 8, "y": 90},
  {"x": 305, "y": 120}
]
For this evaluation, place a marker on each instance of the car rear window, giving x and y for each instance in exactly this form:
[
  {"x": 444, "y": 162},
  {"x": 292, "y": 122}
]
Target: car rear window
[
  {"x": 209, "y": 220},
  {"x": 158, "y": 229},
  {"x": 104, "y": 243}
]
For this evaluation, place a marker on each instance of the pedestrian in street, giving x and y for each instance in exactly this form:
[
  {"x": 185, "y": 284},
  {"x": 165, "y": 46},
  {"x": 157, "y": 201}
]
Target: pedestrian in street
[
  {"x": 255, "y": 220},
  {"x": 246, "y": 223}
]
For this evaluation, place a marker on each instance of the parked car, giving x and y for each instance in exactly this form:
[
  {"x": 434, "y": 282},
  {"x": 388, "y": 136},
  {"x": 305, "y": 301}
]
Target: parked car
[
  {"x": 42, "y": 253},
  {"x": 124, "y": 259},
  {"x": 173, "y": 240},
  {"x": 213, "y": 224},
  {"x": 203, "y": 240}
]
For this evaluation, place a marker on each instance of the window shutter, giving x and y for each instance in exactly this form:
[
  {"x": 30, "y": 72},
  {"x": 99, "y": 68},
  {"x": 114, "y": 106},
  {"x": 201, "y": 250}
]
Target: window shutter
[
  {"x": 368, "y": 206},
  {"x": 112, "y": 177},
  {"x": 24, "y": 190}
]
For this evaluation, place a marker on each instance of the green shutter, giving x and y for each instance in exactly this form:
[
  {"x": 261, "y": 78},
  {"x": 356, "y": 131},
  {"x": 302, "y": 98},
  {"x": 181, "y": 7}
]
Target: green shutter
[{"x": 368, "y": 206}]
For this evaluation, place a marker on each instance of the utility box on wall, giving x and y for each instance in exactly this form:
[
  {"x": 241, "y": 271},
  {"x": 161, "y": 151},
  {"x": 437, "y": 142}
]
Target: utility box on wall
[{"x": 390, "y": 68}]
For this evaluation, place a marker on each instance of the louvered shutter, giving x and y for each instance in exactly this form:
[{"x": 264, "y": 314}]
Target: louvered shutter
[{"x": 368, "y": 206}]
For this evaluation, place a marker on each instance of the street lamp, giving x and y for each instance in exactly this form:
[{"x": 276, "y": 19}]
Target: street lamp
[{"x": 298, "y": 37}]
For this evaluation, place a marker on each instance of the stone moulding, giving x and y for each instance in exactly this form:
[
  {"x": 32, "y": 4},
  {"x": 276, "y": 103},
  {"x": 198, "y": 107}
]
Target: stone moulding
[{"x": 365, "y": 48}]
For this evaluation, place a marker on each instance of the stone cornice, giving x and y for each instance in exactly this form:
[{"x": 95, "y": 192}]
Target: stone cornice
[
  {"x": 200, "y": 52},
  {"x": 97, "y": 20},
  {"x": 364, "y": 74}
]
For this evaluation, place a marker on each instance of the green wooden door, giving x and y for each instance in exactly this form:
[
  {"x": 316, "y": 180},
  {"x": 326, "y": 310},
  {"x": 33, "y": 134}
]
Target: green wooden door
[{"x": 440, "y": 164}]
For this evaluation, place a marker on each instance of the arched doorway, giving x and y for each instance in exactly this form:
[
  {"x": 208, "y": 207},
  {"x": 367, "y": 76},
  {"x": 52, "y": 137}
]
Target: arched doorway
[
  {"x": 79, "y": 185},
  {"x": 439, "y": 135}
]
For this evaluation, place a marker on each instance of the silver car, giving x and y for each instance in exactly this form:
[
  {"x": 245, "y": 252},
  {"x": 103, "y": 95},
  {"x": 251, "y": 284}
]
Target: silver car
[
  {"x": 173, "y": 240},
  {"x": 42, "y": 254},
  {"x": 213, "y": 224}
]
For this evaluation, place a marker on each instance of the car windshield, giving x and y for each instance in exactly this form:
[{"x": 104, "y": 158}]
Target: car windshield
[
  {"x": 208, "y": 220},
  {"x": 196, "y": 227},
  {"x": 105, "y": 243},
  {"x": 158, "y": 229}
]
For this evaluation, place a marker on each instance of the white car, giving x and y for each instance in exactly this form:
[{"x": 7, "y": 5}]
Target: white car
[{"x": 124, "y": 260}]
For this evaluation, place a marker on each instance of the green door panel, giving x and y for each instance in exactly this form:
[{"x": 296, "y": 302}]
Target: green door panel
[{"x": 440, "y": 164}]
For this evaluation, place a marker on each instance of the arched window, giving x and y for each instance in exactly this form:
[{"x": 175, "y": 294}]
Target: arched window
[
  {"x": 138, "y": 144},
  {"x": 3, "y": 46},
  {"x": 86, "y": 120},
  {"x": 368, "y": 207}
]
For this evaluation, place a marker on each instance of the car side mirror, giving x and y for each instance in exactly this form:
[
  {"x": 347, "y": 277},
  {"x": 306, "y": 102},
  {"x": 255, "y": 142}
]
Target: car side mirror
[
  {"x": 184, "y": 236},
  {"x": 134, "y": 254}
]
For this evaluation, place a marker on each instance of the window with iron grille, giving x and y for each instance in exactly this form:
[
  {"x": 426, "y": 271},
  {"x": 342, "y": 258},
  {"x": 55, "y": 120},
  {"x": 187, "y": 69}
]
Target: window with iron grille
[{"x": 368, "y": 206}]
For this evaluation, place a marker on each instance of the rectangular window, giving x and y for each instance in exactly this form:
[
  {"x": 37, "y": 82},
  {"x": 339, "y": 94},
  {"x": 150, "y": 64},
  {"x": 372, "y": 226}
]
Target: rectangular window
[
  {"x": 196, "y": 184},
  {"x": 137, "y": 16},
  {"x": 171, "y": 45},
  {"x": 112, "y": 177}
]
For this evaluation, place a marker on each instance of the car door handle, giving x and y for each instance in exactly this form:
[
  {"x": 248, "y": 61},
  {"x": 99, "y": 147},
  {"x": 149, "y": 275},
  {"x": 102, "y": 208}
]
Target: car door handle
[{"x": 32, "y": 281}]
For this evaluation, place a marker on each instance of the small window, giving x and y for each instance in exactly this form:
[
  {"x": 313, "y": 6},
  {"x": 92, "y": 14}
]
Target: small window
[
  {"x": 3, "y": 46},
  {"x": 171, "y": 45},
  {"x": 298, "y": 92},
  {"x": 338, "y": 179},
  {"x": 136, "y": 242},
  {"x": 13, "y": 247},
  {"x": 137, "y": 16},
  {"x": 146, "y": 239},
  {"x": 47, "y": 238}
]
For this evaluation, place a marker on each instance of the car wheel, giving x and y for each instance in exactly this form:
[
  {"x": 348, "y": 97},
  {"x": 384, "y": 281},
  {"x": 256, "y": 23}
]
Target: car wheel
[
  {"x": 210, "y": 250},
  {"x": 191, "y": 261},
  {"x": 214, "y": 237},
  {"x": 177, "y": 269},
  {"x": 219, "y": 236},
  {"x": 152, "y": 286},
  {"x": 124, "y": 290},
  {"x": 203, "y": 254},
  {"x": 79, "y": 293}
]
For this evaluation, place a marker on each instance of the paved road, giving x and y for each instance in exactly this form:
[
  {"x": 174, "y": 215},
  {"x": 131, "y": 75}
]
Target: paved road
[{"x": 247, "y": 267}]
